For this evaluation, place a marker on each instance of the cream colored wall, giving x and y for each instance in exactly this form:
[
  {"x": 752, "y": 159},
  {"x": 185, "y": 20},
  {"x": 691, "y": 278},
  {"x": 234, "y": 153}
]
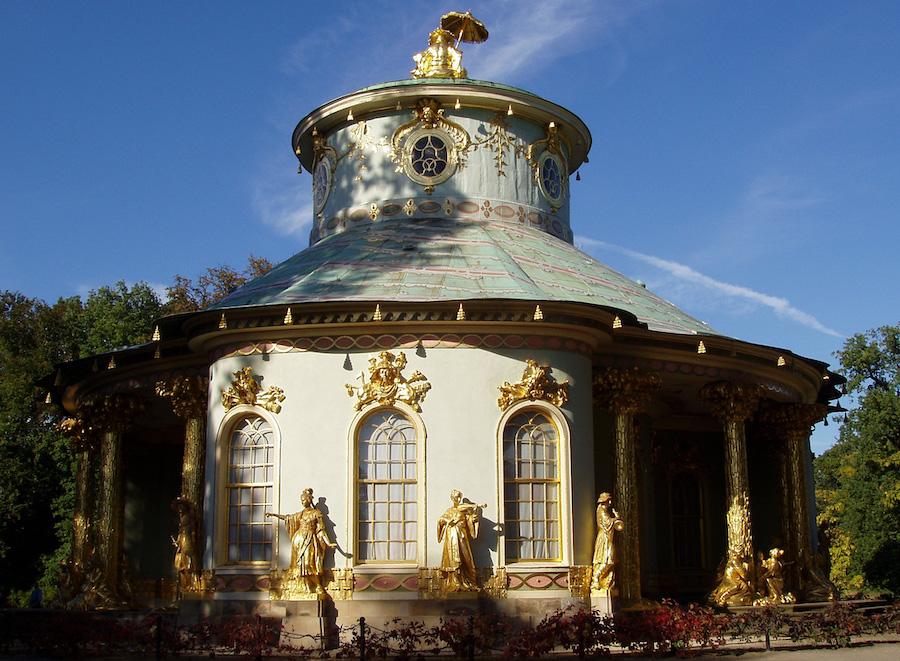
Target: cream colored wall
[{"x": 461, "y": 419}]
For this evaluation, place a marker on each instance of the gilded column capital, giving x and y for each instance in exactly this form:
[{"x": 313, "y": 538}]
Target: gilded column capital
[
  {"x": 189, "y": 395},
  {"x": 113, "y": 413},
  {"x": 81, "y": 435},
  {"x": 794, "y": 418},
  {"x": 732, "y": 402},
  {"x": 624, "y": 391}
]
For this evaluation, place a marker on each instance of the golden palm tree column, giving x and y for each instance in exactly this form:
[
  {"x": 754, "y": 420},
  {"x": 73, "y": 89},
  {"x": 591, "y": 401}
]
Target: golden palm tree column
[
  {"x": 189, "y": 396},
  {"x": 626, "y": 393},
  {"x": 107, "y": 589},
  {"x": 733, "y": 404},
  {"x": 84, "y": 445},
  {"x": 792, "y": 423}
]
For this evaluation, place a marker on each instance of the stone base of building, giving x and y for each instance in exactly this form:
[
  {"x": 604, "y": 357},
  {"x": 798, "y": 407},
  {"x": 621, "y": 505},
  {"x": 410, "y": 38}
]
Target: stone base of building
[{"x": 307, "y": 621}]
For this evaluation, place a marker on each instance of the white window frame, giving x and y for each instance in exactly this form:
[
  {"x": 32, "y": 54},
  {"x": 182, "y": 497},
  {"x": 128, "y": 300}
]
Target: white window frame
[
  {"x": 565, "y": 500},
  {"x": 353, "y": 495},
  {"x": 223, "y": 443}
]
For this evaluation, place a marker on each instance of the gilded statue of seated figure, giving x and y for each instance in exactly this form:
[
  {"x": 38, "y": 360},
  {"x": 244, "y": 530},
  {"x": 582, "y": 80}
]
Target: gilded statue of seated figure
[{"x": 440, "y": 59}]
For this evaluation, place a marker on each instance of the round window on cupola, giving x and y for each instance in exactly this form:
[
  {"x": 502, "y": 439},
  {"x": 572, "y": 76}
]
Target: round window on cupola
[
  {"x": 429, "y": 156},
  {"x": 552, "y": 178},
  {"x": 322, "y": 182}
]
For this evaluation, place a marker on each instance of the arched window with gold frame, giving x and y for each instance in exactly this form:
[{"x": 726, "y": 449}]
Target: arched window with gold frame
[
  {"x": 248, "y": 463},
  {"x": 686, "y": 498},
  {"x": 388, "y": 461},
  {"x": 532, "y": 486}
]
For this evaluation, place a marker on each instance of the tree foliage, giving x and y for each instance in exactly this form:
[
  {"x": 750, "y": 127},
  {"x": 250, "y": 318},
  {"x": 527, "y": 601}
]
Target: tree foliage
[
  {"x": 186, "y": 296},
  {"x": 36, "y": 471},
  {"x": 858, "y": 480},
  {"x": 34, "y": 459}
]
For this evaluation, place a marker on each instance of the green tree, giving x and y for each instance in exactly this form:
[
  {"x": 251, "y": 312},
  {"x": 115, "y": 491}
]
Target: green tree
[
  {"x": 36, "y": 471},
  {"x": 34, "y": 459},
  {"x": 118, "y": 317},
  {"x": 858, "y": 480}
]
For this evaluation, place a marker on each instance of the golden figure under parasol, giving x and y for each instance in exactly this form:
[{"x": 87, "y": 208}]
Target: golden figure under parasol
[{"x": 443, "y": 59}]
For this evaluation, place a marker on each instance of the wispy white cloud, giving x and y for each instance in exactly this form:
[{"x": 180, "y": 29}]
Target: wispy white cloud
[
  {"x": 283, "y": 201},
  {"x": 780, "y": 306},
  {"x": 771, "y": 204},
  {"x": 532, "y": 35}
]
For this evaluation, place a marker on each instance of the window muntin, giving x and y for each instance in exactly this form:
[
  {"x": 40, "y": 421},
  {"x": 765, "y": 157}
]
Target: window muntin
[
  {"x": 249, "y": 491},
  {"x": 687, "y": 521},
  {"x": 531, "y": 488},
  {"x": 387, "y": 489}
]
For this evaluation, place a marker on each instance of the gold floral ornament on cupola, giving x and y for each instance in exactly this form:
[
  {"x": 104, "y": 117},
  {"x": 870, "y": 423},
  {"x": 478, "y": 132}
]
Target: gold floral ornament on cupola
[
  {"x": 535, "y": 384},
  {"x": 442, "y": 58},
  {"x": 246, "y": 390},
  {"x": 387, "y": 385}
]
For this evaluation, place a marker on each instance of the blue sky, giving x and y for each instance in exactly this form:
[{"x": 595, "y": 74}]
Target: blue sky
[{"x": 745, "y": 162}]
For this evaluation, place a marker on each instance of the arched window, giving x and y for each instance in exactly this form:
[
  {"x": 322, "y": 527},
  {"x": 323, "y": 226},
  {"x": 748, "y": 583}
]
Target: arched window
[
  {"x": 387, "y": 489},
  {"x": 687, "y": 521},
  {"x": 531, "y": 487},
  {"x": 249, "y": 491}
]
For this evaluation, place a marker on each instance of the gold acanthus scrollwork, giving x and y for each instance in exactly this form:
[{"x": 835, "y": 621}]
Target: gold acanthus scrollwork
[
  {"x": 624, "y": 391},
  {"x": 246, "y": 390},
  {"x": 534, "y": 385},
  {"x": 551, "y": 144},
  {"x": 189, "y": 395},
  {"x": 499, "y": 139},
  {"x": 428, "y": 114},
  {"x": 387, "y": 385},
  {"x": 321, "y": 148}
]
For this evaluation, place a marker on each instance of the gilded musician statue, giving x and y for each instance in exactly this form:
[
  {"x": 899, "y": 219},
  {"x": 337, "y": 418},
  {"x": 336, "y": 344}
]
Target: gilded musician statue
[
  {"x": 608, "y": 524},
  {"x": 309, "y": 540},
  {"x": 457, "y": 527}
]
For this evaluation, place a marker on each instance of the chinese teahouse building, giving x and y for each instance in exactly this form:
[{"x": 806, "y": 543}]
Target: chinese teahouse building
[{"x": 442, "y": 399}]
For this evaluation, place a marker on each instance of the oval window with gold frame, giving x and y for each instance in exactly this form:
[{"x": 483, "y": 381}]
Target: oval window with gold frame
[
  {"x": 429, "y": 156},
  {"x": 322, "y": 183},
  {"x": 552, "y": 178}
]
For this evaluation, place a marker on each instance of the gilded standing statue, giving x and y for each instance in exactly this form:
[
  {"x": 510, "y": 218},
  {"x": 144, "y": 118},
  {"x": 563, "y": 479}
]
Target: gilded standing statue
[
  {"x": 309, "y": 540},
  {"x": 608, "y": 524},
  {"x": 457, "y": 527}
]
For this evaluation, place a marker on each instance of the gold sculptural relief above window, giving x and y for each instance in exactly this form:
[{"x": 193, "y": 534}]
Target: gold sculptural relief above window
[
  {"x": 386, "y": 385},
  {"x": 246, "y": 390},
  {"x": 534, "y": 385},
  {"x": 430, "y": 147}
]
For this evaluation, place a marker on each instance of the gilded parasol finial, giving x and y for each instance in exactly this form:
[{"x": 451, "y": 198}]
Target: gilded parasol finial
[
  {"x": 442, "y": 58},
  {"x": 465, "y": 27}
]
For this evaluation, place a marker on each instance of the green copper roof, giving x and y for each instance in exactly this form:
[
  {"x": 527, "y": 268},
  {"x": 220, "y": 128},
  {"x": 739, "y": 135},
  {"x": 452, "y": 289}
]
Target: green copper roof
[{"x": 447, "y": 259}]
